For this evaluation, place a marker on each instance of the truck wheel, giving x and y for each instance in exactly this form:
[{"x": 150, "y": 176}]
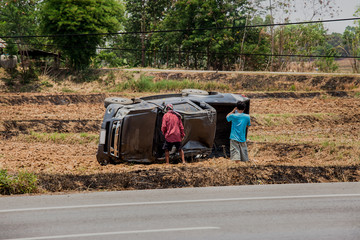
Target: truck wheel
[
  {"x": 118, "y": 100},
  {"x": 103, "y": 162},
  {"x": 186, "y": 92}
]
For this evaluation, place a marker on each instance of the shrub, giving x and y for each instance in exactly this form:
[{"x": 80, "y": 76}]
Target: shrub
[
  {"x": 20, "y": 183},
  {"x": 146, "y": 84},
  {"x": 109, "y": 59}
]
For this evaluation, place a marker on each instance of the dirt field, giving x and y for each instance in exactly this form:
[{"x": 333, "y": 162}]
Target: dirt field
[{"x": 295, "y": 137}]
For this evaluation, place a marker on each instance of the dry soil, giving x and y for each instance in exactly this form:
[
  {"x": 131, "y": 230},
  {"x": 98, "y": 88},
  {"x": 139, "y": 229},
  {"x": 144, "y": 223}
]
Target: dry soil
[{"x": 295, "y": 137}]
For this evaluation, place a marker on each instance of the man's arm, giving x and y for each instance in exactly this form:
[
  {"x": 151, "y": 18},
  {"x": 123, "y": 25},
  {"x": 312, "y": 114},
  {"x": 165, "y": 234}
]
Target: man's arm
[
  {"x": 247, "y": 128},
  {"x": 233, "y": 111},
  {"x": 182, "y": 132},
  {"x": 163, "y": 125}
]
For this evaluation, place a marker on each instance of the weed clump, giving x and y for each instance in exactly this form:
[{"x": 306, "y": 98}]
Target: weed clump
[
  {"x": 146, "y": 84},
  {"x": 20, "y": 183}
]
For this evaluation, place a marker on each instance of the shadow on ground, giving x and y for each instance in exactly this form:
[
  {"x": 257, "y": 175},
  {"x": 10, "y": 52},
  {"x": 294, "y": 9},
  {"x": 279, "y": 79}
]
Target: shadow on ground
[{"x": 180, "y": 176}]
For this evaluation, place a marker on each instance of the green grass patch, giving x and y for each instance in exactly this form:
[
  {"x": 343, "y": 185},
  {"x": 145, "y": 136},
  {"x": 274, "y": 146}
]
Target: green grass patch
[
  {"x": 329, "y": 145},
  {"x": 289, "y": 115},
  {"x": 322, "y": 140},
  {"x": 293, "y": 88},
  {"x": 68, "y": 138},
  {"x": 46, "y": 84},
  {"x": 20, "y": 183},
  {"x": 276, "y": 138},
  {"x": 146, "y": 84},
  {"x": 273, "y": 119},
  {"x": 67, "y": 90},
  {"x": 289, "y": 118}
]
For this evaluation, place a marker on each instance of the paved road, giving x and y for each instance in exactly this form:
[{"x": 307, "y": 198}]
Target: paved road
[{"x": 295, "y": 211}]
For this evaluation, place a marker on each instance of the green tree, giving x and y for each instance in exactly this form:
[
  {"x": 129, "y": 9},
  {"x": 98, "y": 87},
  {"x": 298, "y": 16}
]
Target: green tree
[
  {"x": 351, "y": 42},
  {"x": 327, "y": 64},
  {"x": 68, "y": 19},
  {"x": 351, "y": 47},
  {"x": 282, "y": 11},
  {"x": 18, "y": 18},
  {"x": 335, "y": 40},
  {"x": 298, "y": 40},
  {"x": 142, "y": 16},
  {"x": 211, "y": 34}
]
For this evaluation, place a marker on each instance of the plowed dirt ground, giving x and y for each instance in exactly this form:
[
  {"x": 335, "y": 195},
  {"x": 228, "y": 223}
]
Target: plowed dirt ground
[{"x": 295, "y": 137}]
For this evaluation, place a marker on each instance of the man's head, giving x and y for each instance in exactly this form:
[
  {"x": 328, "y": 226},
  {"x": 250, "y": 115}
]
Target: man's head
[
  {"x": 240, "y": 105},
  {"x": 169, "y": 107}
]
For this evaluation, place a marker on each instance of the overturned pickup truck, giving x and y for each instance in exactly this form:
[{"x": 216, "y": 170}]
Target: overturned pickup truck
[{"x": 131, "y": 129}]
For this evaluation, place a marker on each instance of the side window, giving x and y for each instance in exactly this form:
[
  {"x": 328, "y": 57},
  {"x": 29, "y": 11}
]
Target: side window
[{"x": 185, "y": 107}]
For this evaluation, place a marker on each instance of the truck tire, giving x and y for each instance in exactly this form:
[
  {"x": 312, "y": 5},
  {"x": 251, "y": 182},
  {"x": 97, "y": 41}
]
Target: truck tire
[{"x": 118, "y": 100}]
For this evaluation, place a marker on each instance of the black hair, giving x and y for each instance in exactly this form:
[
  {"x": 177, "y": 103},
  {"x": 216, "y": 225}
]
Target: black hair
[{"x": 240, "y": 105}]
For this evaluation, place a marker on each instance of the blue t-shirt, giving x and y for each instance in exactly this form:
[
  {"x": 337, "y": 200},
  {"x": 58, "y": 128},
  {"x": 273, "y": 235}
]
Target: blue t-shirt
[{"x": 239, "y": 122}]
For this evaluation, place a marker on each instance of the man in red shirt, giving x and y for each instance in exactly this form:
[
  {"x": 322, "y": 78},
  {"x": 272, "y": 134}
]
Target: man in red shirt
[{"x": 173, "y": 130}]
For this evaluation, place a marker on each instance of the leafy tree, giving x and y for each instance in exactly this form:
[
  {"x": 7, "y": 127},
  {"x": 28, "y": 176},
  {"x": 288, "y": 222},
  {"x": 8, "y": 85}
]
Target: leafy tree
[
  {"x": 351, "y": 47},
  {"x": 18, "y": 18},
  {"x": 142, "y": 16},
  {"x": 106, "y": 58},
  {"x": 327, "y": 64},
  {"x": 335, "y": 40},
  {"x": 255, "y": 45},
  {"x": 298, "y": 40},
  {"x": 211, "y": 33},
  {"x": 283, "y": 11},
  {"x": 68, "y": 19},
  {"x": 351, "y": 42}
]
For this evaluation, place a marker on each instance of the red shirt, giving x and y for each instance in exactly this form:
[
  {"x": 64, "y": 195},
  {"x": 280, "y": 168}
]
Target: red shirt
[{"x": 172, "y": 127}]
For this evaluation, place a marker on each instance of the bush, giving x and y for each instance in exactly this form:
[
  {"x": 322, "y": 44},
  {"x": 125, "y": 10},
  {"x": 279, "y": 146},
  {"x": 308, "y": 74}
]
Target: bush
[
  {"x": 21, "y": 183},
  {"x": 146, "y": 84},
  {"x": 109, "y": 59}
]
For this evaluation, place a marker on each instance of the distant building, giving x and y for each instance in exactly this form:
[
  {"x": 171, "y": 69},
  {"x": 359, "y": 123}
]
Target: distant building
[
  {"x": 2, "y": 44},
  {"x": 6, "y": 61}
]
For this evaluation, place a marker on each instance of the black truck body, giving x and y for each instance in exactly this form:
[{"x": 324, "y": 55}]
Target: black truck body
[{"x": 131, "y": 130}]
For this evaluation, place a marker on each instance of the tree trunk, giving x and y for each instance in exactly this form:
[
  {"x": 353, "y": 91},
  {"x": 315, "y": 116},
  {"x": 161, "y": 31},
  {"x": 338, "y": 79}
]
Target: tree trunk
[
  {"x": 195, "y": 61},
  {"x": 272, "y": 38},
  {"x": 208, "y": 57},
  {"x": 143, "y": 35},
  {"x": 167, "y": 56}
]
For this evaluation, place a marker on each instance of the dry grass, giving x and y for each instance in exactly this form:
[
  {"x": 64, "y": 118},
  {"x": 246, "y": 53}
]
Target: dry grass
[{"x": 59, "y": 138}]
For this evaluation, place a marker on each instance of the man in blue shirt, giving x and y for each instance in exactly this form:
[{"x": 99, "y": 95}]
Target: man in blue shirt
[{"x": 240, "y": 122}]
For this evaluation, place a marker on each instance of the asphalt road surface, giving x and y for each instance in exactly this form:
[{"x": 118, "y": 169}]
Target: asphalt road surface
[{"x": 294, "y": 211}]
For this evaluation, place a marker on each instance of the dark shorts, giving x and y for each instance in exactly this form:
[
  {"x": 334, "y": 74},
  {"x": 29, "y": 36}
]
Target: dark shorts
[
  {"x": 238, "y": 151},
  {"x": 169, "y": 145}
]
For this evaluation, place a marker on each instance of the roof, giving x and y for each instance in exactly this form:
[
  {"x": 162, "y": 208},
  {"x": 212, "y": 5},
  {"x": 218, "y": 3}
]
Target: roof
[
  {"x": 2, "y": 43},
  {"x": 39, "y": 53}
]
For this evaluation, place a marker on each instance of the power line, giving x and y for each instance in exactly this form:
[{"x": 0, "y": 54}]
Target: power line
[{"x": 182, "y": 30}]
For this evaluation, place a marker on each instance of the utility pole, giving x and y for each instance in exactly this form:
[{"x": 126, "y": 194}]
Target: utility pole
[
  {"x": 143, "y": 34},
  {"x": 272, "y": 37}
]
